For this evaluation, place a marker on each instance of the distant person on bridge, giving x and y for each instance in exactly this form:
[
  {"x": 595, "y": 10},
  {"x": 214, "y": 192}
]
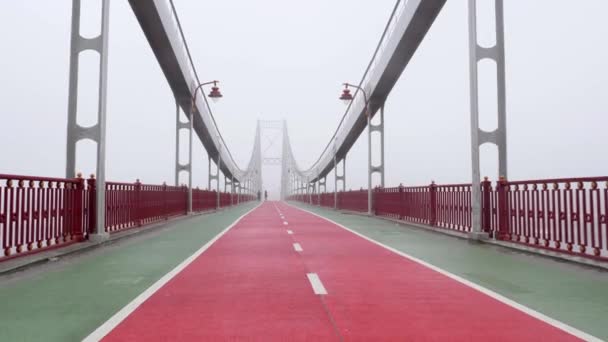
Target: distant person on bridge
[
  {"x": 265, "y": 195},
  {"x": 259, "y": 195}
]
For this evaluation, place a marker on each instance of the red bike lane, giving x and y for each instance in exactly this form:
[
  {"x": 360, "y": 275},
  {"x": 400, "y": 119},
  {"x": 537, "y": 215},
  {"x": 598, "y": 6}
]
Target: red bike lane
[{"x": 254, "y": 283}]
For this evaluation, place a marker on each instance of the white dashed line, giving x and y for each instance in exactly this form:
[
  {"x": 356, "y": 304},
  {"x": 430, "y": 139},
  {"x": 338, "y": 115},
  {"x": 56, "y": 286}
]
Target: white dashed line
[
  {"x": 289, "y": 232},
  {"x": 285, "y": 223},
  {"x": 317, "y": 285},
  {"x": 297, "y": 247}
]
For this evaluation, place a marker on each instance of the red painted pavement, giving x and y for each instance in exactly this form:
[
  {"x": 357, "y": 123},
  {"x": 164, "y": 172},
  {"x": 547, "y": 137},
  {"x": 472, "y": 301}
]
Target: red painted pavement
[{"x": 251, "y": 285}]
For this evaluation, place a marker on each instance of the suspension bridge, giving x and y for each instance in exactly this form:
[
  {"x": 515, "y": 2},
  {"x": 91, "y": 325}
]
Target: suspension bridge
[{"x": 501, "y": 259}]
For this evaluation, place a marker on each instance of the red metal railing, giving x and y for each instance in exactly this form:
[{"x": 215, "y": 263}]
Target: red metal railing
[
  {"x": 225, "y": 199},
  {"x": 246, "y": 198},
  {"x": 564, "y": 215},
  {"x": 451, "y": 206},
  {"x": 353, "y": 200},
  {"x": 300, "y": 198},
  {"x": 567, "y": 215},
  {"x": 39, "y": 213},
  {"x": 327, "y": 200},
  {"x": 203, "y": 200},
  {"x": 121, "y": 210},
  {"x": 389, "y": 202},
  {"x": 416, "y": 204},
  {"x": 131, "y": 205}
]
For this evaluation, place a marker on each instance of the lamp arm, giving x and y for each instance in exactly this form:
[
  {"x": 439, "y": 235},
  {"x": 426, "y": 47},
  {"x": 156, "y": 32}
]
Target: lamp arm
[
  {"x": 360, "y": 88},
  {"x": 193, "y": 100}
]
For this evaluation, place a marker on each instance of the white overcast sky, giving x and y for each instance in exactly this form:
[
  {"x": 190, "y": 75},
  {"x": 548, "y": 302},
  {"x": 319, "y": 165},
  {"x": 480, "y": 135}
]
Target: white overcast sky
[{"x": 283, "y": 59}]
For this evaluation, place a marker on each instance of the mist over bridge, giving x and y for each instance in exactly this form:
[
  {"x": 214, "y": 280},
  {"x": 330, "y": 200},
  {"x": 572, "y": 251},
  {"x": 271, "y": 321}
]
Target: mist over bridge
[{"x": 284, "y": 270}]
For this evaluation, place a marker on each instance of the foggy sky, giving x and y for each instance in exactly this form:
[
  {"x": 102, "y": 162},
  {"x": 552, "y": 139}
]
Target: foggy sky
[{"x": 286, "y": 60}]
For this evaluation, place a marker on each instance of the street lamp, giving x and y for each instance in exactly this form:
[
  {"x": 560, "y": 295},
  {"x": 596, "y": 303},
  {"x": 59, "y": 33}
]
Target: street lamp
[
  {"x": 346, "y": 97},
  {"x": 214, "y": 95}
]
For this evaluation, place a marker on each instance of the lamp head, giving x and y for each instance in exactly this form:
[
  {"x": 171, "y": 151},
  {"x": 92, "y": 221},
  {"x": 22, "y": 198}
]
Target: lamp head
[
  {"x": 346, "y": 96},
  {"x": 215, "y": 95}
]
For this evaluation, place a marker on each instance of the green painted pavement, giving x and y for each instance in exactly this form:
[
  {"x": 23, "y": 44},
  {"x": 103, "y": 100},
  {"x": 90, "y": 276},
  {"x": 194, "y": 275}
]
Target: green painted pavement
[
  {"x": 69, "y": 299},
  {"x": 576, "y": 295}
]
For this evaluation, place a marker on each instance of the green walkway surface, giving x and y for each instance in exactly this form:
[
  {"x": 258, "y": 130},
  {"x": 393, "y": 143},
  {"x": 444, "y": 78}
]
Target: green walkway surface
[
  {"x": 68, "y": 299},
  {"x": 576, "y": 295}
]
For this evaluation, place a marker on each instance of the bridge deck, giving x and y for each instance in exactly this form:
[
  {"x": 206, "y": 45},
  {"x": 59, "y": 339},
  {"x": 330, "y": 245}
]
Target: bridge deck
[{"x": 254, "y": 282}]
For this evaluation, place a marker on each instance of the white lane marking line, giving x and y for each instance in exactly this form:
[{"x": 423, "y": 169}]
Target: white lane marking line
[
  {"x": 118, "y": 317},
  {"x": 289, "y": 232},
  {"x": 317, "y": 285},
  {"x": 558, "y": 324},
  {"x": 297, "y": 247},
  {"x": 277, "y": 209},
  {"x": 285, "y": 223}
]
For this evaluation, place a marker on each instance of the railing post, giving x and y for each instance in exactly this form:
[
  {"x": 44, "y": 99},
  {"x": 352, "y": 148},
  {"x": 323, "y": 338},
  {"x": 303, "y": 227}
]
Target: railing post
[
  {"x": 165, "y": 206},
  {"x": 375, "y": 200},
  {"x": 486, "y": 206},
  {"x": 503, "y": 210},
  {"x": 188, "y": 191},
  {"x": 78, "y": 212},
  {"x": 232, "y": 191},
  {"x": 238, "y": 194},
  {"x": 195, "y": 193},
  {"x": 335, "y": 198},
  {"x": 401, "y": 202},
  {"x": 92, "y": 205},
  {"x": 217, "y": 197},
  {"x": 138, "y": 204},
  {"x": 433, "y": 204}
]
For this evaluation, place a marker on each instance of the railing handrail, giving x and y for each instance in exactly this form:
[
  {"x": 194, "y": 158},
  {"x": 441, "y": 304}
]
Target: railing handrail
[
  {"x": 559, "y": 180},
  {"x": 570, "y": 220},
  {"x": 35, "y": 178}
]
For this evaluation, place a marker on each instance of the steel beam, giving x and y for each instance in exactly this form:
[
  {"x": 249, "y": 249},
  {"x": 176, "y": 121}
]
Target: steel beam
[
  {"x": 497, "y": 137},
  {"x": 219, "y": 169},
  {"x": 337, "y": 178},
  {"x": 322, "y": 184},
  {"x": 215, "y": 177},
  {"x": 97, "y": 132},
  {"x": 379, "y": 128},
  {"x": 179, "y": 125}
]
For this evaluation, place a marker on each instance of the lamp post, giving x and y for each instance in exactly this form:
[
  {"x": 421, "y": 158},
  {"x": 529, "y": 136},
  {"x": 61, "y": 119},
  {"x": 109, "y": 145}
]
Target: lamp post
[
  {"x": 219, "y": 168},
  {"x": 214, "y": 95},
  {"x": 347, "y": 97}
]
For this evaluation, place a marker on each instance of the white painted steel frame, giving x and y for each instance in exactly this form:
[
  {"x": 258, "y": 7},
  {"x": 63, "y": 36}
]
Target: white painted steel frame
[{"x": 97, "y": 132}]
